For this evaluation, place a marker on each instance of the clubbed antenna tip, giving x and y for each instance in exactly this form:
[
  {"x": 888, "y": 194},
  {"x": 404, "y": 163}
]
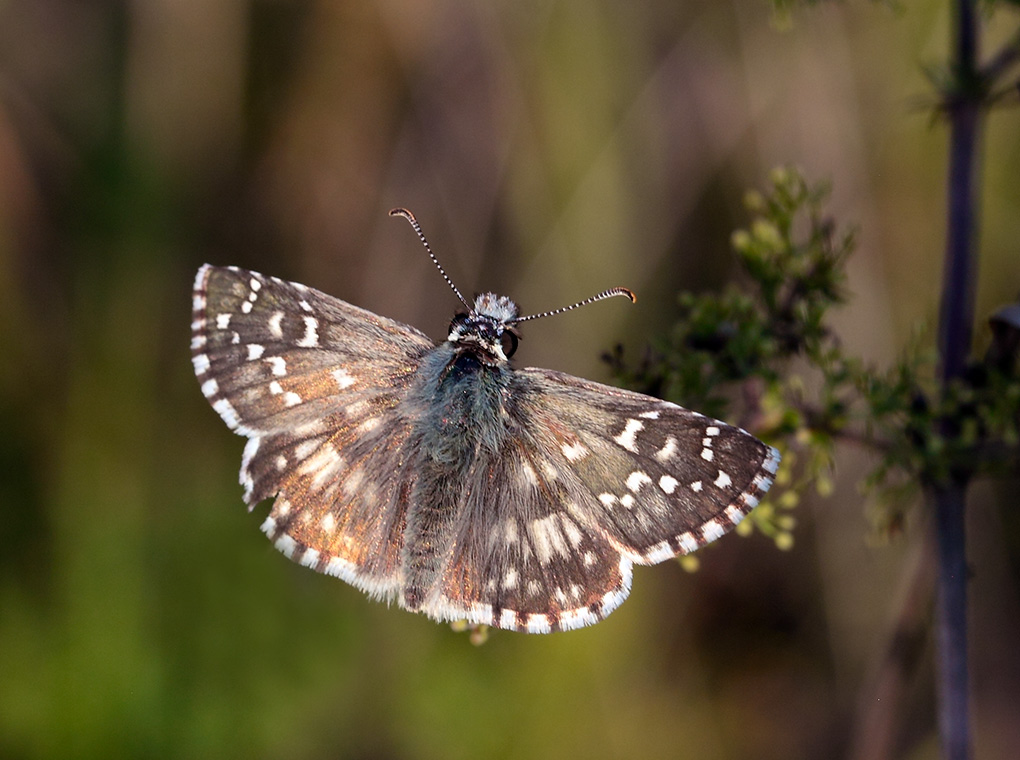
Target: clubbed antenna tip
[{"x": 626, "y": 292}]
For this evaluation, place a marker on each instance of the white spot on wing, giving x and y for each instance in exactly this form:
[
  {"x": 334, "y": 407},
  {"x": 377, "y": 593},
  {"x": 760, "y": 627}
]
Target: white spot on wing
[
  {"x": 275, "y": 326},
  {"x": 574, "y": 451},
  {"x": 311, "y": 337},
  {"x": 687, "y": 542},
  {"x": 223, "y": 321},
  {"x": 637, "y": 479},
  {"x": 508, "y": 620},
  {"x": 304, "y": 449},
  {"x": 246, "y": 307},
  {"x": 707, "y": 455},
  {"x": 510, "y": 579},
  {"x": 368, "y": 425},
  {"x": 538, "y": 624},
  {"x": 229, "y": 415},
  {"x": 750, "y": 501},
  {"x": 255, "y": 351},
  {"x": 547, "y": 538},
  {"x": 310, "y": 558},
  {"x": 668, "y": 483},
  {"x": 734, "y": 514},
  {"x": 579, "y": 618},
  {"x": 510, "y": 531},
  {"x": 268, "y": 526},
  {"x": 549, "y": 472},
  {"x": 613, "y": 599},
  {"x": 723, "y": 480},
  {"x": 200, "y": 275},
  {"x": 659, "y": 553},
  {"x": 530, "y": 476},
  {"x": 285, "y": 543},
  {"x": 696, "y": 486},
  {"x": 210, "y": 388},
  {"x": 572, "y": 532},
  {"x": 343, "y": 378},
  {"x": 322, "y": 465},
  {"x": 628, "y": 437},
  {"x": 668, "y": 449},
  {"x": 712, "y": 530},
  {"x": 278, "y": 365},
  {"x": 201, "y": 362}
]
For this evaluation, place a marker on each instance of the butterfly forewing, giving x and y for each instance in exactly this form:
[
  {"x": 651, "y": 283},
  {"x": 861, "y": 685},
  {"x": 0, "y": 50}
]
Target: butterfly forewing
[
  {"x": 662, "y": 480},
  {"x": 272, "y": 355}
]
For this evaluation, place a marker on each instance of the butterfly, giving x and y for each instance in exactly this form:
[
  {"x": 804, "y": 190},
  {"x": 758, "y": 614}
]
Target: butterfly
[{"x": 444, "y": 479}]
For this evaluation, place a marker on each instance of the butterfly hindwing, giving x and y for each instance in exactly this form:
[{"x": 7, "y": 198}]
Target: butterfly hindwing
[
  {"x": 526, "y": 556},
  {"x": 342, "y": 503}
]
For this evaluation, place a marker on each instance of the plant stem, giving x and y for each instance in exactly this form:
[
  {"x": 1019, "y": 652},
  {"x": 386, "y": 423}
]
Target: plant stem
[
  {"x": 954, "y": 719},
  {"x": 957, "y": 307},
  {"x": 955, "y": 325}
]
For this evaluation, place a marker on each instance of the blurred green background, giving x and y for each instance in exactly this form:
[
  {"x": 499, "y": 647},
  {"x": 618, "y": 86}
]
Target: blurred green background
[{"x": 550, "y": 150}]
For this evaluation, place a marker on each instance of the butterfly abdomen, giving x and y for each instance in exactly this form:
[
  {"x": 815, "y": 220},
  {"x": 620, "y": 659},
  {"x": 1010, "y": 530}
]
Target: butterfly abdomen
[{"x": 461, "y": 425}]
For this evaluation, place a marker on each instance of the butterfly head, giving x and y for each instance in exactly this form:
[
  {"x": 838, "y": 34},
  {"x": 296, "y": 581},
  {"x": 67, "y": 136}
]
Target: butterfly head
[{"x": 488, "y": 329}]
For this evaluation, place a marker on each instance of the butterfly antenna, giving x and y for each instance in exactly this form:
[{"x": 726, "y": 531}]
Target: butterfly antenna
[
  {"x": 598, "y": 297},
  {"x": 421, "y": 236}
]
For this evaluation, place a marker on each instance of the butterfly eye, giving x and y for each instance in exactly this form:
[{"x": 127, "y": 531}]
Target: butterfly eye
[{"x": 508, "y": 342}]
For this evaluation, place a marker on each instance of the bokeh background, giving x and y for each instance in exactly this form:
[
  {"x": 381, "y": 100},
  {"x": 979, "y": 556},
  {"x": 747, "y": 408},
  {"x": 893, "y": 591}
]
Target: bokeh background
[{"x": 550, "y": 150}]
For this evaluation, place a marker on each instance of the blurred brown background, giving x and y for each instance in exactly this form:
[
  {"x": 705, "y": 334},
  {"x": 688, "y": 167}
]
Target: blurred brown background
[{"x": 550, "y": 150}]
